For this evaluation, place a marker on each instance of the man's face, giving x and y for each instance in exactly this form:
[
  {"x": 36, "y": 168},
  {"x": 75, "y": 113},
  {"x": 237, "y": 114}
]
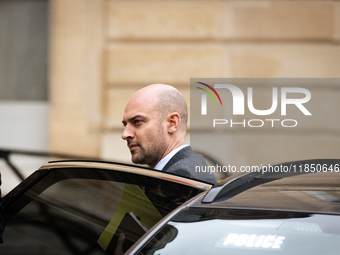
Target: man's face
[{"x": 144, "y": 131}]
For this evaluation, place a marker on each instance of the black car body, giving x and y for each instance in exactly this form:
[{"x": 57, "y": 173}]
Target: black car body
[
  {"x": 77, "y": 208},
  {"x": 293, "y": 212}
]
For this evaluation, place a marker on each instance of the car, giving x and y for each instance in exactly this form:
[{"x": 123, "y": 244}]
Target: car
[
  {"x": 75, "y": 206},
  {"x": 81, "y": 207},
  {"x": 290, "y": 208}
]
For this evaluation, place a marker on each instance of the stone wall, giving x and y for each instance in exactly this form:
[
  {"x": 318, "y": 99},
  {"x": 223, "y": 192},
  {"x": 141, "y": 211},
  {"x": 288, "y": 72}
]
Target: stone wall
[{"x": 102, "y": 51}]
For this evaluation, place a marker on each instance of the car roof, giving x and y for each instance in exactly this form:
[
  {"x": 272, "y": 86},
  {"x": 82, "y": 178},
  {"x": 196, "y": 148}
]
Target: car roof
[{"x": 317, "y": 192}]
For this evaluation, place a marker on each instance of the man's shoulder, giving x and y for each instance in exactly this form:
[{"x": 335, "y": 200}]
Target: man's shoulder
[
  {"x": 184, "y": 158},
  {"x": 185, "y": 163}
]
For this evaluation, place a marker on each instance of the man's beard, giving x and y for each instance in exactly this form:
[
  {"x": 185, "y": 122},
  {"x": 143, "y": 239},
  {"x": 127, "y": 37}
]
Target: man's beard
[
  {"x": 152, "y": 152},
  {"x": 149, "y": 156}
]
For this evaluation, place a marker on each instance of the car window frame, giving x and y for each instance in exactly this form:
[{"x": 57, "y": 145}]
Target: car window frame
[{"x": 52, "y": 173}]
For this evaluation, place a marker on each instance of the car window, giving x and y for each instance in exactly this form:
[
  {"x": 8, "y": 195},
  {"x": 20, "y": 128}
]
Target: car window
[
  {"x": 242, "y": 232},
  {"x": 80, "y": 210}
]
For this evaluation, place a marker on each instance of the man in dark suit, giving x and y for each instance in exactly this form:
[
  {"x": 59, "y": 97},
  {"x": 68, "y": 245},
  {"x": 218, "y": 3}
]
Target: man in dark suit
[{"x": 155, "y": 120}]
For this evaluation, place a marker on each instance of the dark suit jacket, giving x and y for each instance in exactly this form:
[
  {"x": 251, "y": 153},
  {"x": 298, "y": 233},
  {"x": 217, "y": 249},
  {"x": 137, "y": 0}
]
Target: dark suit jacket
[{"x": 188, "y": 164}]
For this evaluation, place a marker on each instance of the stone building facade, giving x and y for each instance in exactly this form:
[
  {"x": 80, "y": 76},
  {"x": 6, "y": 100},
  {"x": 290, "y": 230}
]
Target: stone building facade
[{"x": 102, "y": 51}]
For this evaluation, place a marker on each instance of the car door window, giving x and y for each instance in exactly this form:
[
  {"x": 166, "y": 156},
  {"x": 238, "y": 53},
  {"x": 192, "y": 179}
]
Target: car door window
[{"x": 78, "y": 210}]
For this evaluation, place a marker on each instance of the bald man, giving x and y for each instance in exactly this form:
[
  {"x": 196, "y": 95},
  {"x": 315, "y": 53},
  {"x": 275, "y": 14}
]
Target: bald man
[{"x": 155, "y": 120}]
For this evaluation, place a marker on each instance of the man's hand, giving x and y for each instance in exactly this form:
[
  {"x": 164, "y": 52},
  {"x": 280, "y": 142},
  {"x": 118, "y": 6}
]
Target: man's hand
[{"x": 119, "y": 248}]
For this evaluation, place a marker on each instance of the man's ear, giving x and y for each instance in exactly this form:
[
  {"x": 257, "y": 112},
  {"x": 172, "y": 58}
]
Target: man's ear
[{"x": 173, "y": 122}]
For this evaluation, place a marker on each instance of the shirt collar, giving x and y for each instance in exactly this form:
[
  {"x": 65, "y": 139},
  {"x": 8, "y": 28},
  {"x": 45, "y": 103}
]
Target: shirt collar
[{"x": 161, "y": 164}]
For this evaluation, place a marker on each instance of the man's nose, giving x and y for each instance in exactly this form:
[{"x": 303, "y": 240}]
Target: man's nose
[{"x": 127, "y": 133}]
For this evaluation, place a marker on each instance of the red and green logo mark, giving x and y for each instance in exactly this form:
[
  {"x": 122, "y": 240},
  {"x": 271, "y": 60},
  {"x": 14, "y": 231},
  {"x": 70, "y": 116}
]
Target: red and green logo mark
[{"x": 209, "y": 93}]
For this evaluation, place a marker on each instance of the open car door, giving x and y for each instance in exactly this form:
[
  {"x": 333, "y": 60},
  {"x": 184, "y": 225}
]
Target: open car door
[{"x": 81, "y": 207}]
